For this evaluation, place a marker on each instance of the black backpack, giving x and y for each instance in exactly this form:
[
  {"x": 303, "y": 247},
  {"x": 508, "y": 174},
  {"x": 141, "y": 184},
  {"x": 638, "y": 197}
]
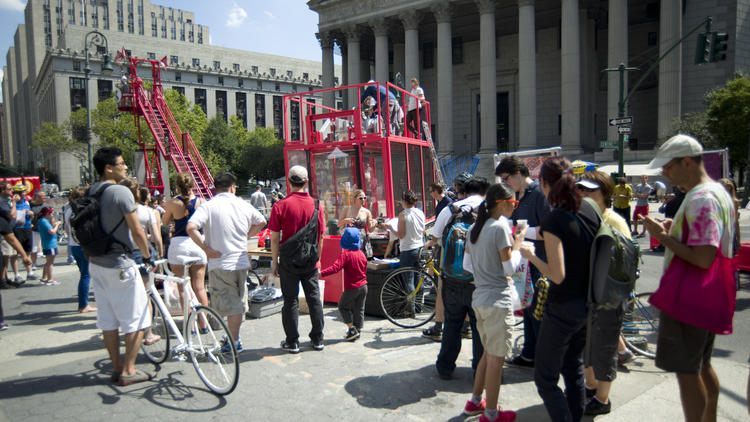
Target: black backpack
[
  {"x": 86, "y": 225},
  {"x": 299, "y": 254}
]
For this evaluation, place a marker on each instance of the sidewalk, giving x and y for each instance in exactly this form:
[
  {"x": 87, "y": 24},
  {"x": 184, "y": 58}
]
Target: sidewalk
[{"x": 55, "y": 368}]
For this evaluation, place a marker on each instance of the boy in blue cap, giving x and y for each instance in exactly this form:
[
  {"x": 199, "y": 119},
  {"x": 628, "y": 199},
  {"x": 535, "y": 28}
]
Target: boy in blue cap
[{"x": 354, "y": 264}]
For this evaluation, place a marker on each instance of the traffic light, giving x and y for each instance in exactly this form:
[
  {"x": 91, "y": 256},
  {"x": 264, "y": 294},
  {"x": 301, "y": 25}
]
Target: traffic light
[
  {"x": 703, "y": 48},
  {"x": 718, "y": 46}
]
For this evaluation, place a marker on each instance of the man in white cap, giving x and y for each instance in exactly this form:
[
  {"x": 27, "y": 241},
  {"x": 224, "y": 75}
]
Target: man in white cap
[
  {"x": 294, "y": 234},
  {"x": 706, "y": 222}
]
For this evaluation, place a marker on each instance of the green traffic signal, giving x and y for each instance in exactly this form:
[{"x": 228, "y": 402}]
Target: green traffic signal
[
  {"x": 703, "y": 48},
  {"x": 719, "y": 46}
]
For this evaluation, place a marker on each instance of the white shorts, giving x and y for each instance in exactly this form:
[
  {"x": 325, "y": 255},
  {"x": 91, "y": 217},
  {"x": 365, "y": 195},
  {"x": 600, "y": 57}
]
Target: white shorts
[
  {"x": 36, "y": 243},
  {"x": 182, "y": 248},
  {"x": 6, "y": 249},
  {"x": 120, "y": 298}
]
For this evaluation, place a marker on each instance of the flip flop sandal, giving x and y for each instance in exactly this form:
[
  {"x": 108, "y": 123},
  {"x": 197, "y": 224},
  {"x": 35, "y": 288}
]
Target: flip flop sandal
[
  {"x": 153, "y": 339},
  {"x": 139, "y": 376}
]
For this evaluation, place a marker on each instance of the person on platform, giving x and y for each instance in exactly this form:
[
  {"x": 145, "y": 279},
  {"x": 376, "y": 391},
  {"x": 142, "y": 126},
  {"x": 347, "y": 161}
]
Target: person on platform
[
  {"x": 357, "y": 215},
  {"x": 414, "y": 114},
  {"x": 352, "y": 301},
  {"x": 289, "y": 216}
]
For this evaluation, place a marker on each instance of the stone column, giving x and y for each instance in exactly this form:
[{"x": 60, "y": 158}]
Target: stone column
[
  {"x": 380, "y": 29},
  {"x": 570, "y": 59},
  {"x": 326, "y": 46},
  {"x": 344, "y": 69},
  {"x": 353, "y": 63},
  {"x": 411, "y": 50},
  {"x": 527, "y": 74},
  {"x": 444, "y": 135},
  {"x": 398, "y": 59},
  {"x": 670, "y": 68},
  {"x": 487, "y": 79},
  {"x": 617, "y": 52}
]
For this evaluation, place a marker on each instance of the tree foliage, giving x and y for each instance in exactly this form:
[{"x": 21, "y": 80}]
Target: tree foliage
[
  {"x": 728, "y": 118},
  {"x": 51, "y": 138},
  {"x": 695, "y": 125}
]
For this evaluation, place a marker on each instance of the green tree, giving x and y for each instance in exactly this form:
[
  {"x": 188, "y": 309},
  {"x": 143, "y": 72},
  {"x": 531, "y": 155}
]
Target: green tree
[
  {"x": 51, "y": 138},
  {"x": 728, "y": 117},
  {"x": 261, "y": 157},
  {"x": 218, "y": 146},
  {"x": 696, "y": 125}
]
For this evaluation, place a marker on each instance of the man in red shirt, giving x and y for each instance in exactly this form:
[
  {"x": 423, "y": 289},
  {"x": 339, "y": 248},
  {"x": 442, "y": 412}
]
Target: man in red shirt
[{"x": 289, "y": 216}]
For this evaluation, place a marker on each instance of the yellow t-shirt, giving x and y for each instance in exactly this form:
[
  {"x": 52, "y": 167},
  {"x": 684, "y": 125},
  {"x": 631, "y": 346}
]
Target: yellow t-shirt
[
  {"x": 622, "y": 190},
  {"x": 616, "y": 221}
]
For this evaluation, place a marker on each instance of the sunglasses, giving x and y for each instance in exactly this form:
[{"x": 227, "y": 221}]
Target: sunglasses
[
  {"x": 512, "y": 201},
  {"x": 362, "y": 198}
]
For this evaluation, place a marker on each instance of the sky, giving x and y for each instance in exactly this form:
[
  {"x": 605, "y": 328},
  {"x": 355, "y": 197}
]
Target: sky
[{"x": 281, "y": 27}]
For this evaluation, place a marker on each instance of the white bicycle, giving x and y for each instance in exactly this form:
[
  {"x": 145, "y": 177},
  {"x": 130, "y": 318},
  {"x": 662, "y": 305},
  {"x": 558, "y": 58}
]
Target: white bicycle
[{"x": 206, "y": 337}]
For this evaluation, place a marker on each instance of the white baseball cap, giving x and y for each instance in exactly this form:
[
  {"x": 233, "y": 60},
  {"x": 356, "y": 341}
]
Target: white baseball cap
[
  {"x": 678, "y": 146},
  {"x": 588, "y": 184},
  {"x": 297, "y": 174}
]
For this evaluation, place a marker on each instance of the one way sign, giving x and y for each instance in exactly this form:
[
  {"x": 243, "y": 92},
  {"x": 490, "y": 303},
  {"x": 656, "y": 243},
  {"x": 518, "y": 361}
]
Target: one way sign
[{"x": 617, "y": 121}]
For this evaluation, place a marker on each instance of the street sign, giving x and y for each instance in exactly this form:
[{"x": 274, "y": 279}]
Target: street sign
[
  {"x": 623, "y": 129},
  {"x": 608, "y": 144},
  {"x": 618, "y": 121}
]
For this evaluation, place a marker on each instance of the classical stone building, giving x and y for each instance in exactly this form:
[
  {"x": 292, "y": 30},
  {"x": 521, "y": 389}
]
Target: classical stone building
[
  {"x": 520, "y": 74},
  {"x": 44, "y": 77}
]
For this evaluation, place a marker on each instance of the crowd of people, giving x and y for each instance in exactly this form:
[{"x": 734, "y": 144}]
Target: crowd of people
[{"x": 550, "y": 222}]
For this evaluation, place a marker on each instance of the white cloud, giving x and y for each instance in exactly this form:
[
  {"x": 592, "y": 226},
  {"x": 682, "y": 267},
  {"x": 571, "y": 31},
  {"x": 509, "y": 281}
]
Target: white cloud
[
  {"x": 15, "y": 5},
  {"x": 236, "y": 16},
  {"x": 270, "y": 15}
]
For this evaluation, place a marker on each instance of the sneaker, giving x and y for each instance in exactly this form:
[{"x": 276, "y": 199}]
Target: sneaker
[
  {"x": 44, "y": 281},
  {"x": 433, "y": 333},
  {"x": 590, "y": 393},
  {"x": 521, "y": 361},
  {"x": 351, "y": 334},
  {"x": 3, "y": 326},
  {"x": 32, "y": 277},
  {"x": 290, "y": 348},
  {"x": 19, "y": 280},
  {"x": 226, "y": 348},
  {"x": 625, "y": 357},
  {"x": 52, "y": 282},
  {"x": 595, "y": 407},
  {"x": 466, "y": 331},
  {"x": 502, "y": 416},
  {"x": 318, "y": 345},
  {"x": 472, "y": 409}
]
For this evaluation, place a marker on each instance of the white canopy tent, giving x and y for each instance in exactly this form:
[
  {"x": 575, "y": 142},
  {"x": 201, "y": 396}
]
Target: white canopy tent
[{"x": 632, "y": 170}]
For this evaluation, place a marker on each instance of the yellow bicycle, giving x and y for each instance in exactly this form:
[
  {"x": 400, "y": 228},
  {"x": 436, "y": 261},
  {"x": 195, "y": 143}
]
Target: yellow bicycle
[{"x": 409, "y": 293}]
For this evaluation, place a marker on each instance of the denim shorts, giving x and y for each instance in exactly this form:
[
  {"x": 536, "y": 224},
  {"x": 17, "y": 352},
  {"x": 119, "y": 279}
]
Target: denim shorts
[{"x": 49, "y": 252}]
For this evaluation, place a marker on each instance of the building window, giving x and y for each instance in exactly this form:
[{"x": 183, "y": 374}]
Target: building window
[
  {"x": 200, "y": 79},
  {"x": 163, "y": 29},
  {"x": 76, "y": 65},
  {"x": 173, "y": 32},
  {"x": 652, "y": 38},
  {"x": 240, "y": 82},
  {"x": 178, "y": 76},
  {"x": 120, "y": 17},
  {"x": 221, "y": 80},
  {"x": 104, "y": 89},
  {"x": 105, "y": 17},
  {"x": 72, "y": 13},
  {"x": 200, "y": 98},
  {"x": 217, "y": 64},
  {"x": 278, "y": 110},
  {"x": 260, "y": 110},
  {"x": 457, "y": 45},
  {"x": 131, "y": 23},
  {"x": 277, "y": 87},
  {"x": 305, "y": 76},
  {"x": 259, "y": 85},
  {"x": 174, "y": 60},
  {"x": 289, "y": 74},
  {"x": 77, "y": 93},
  {"x": 179, "y": 89},
  {"x": 272, "y": 71},
  {"x": 428, "y": 55},
  {"x": 47, "y": 25},
  {"x": 294, "y": 120},
  {"x": 182, "y": 33},
  {"x": 196, "y": 62},
  {"x": 240, "y": 99},
  {"x": 335, "y": 81},
  {"x": 151, "y": 56},
  {"x": 254, "y": 69},
  {"x": 200, "y": 35},
  {"x": 221, "y": 104},
  {"x": 154, "y": 26},
  {"x": 94, "y": 14},
  {"x": 236, "y": 67}
]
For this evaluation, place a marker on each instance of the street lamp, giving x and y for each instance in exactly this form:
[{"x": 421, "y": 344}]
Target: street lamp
[{"x": 99, "y": 40}]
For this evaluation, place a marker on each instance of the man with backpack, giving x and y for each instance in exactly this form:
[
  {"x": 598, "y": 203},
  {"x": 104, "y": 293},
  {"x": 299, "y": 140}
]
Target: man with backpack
[
  {"x": 110, "y": 211},
  {"x": 297, "y": 225},
  {"x": 458, "y": 286},
  {"x": 227, "y": 222}
]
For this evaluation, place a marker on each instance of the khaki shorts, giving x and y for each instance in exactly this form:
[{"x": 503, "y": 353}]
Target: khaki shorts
[
  {"x": 228, "y": 291},
  {"x": 6, "y": 249},
  {"x": 494, "y": 324}
]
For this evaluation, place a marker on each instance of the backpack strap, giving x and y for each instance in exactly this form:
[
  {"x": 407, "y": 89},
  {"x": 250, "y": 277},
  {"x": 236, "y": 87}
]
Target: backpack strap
[{"x": 110, "y": 234}]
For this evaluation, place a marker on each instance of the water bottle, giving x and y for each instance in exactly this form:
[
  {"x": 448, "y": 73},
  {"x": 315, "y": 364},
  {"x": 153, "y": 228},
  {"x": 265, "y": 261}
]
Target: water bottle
[
  {"x": 457, "y": 266},
  {"x": 268, "y": 243}
]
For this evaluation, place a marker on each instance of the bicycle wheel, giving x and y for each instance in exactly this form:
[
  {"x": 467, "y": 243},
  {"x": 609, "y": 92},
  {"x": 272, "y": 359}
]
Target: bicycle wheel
[
  {"x": 219, "y": 370},
  {"x": 157, "y": 351},
  {"x": 640, "y": 326},
  {"x": 408, "y": 307}
]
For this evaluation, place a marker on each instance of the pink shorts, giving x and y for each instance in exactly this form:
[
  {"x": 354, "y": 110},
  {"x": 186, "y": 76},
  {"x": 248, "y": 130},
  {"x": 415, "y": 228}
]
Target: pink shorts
[{"x": 640, "y": 212}]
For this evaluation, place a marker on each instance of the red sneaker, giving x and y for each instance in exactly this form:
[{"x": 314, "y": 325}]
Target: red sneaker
[
  {"x": 502, "y": 416},
  {"x": 472, "y": 409}
]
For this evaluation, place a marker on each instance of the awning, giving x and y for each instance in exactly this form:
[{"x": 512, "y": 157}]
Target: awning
[{"x": 632, "y": 170}]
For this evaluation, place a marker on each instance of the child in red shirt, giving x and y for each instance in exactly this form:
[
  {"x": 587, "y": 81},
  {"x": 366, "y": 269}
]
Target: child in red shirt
[{"x": 354, "y": 264}]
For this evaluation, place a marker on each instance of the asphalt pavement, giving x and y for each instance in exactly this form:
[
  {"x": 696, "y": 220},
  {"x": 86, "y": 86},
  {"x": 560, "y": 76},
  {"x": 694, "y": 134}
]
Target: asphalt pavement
[{"x": 55, "y": 368}]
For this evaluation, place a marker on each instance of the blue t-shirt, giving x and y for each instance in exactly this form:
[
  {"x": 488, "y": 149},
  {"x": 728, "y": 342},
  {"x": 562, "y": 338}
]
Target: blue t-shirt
[
  {"x": 23, "y": 206},
  {"x": 49, "y": 241}
]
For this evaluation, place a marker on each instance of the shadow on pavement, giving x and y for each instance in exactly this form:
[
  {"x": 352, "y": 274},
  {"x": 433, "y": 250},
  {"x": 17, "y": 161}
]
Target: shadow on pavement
[
  {"x": 536, "y": 412},
  {"x": 379, "y": 342},
  {"x": 45, "y": 318},
  {"x": 397, "y": 389},
  {"x": 54, "y": 301},
  {"x": 93, "y": 343},
  {"x": 74, "y": 327}
]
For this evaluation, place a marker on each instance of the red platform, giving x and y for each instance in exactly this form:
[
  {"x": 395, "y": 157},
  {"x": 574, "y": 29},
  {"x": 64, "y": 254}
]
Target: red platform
[{"x": 334, "y": 282}]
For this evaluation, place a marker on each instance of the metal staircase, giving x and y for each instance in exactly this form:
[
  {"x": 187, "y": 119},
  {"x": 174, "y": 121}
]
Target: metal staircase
[{"x": 169, "y": 141}]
